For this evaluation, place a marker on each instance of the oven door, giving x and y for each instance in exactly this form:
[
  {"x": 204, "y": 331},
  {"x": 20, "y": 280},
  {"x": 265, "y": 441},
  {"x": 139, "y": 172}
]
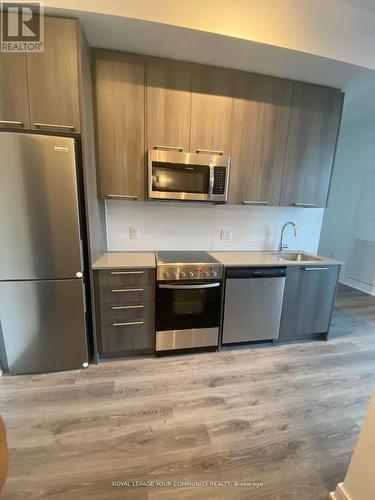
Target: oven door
[{"x": 187, "y": 314}]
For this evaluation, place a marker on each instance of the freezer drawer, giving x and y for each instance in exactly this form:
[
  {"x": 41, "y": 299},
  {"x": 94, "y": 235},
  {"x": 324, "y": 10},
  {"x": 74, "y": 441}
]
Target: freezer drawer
[
  {"x": 252, "y": 308},
  {"x": 43, "y": 325}
]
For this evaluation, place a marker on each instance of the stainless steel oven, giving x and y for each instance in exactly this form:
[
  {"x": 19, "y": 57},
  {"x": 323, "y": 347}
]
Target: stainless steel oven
[
  {"x": 174, "y": 175},
  {"x": 188, "y": 298}
]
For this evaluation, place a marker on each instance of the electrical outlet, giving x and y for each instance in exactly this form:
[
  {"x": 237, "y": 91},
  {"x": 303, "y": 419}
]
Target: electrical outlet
[
  {"x": 226, "y": 234},
  {"x": 134, "y": 233}
]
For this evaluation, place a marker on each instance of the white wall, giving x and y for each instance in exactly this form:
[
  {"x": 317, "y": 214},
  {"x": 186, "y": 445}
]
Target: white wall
[
  {"x": 346, "y": 217},
  {"x": 173, "y": 226}
]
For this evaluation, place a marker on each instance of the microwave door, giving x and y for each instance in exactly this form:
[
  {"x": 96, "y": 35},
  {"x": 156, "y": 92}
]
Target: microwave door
[{"x": 178, "y": 178}]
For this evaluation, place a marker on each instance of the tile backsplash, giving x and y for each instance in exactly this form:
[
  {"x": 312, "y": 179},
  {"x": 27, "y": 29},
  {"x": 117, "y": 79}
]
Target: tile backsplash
[{"x": 175, "y": 226}]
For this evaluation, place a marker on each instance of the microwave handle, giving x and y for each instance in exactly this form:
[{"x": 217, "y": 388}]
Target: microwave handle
[{"x": 212, "y": 180}]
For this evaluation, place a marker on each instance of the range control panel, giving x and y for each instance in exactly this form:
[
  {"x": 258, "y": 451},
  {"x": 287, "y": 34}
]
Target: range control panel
[{"x": 190, "y": 272}]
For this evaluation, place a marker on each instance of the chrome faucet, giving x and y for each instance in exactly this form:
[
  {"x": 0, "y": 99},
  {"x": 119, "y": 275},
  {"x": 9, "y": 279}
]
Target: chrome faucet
[{"x": 284, "y": 246}]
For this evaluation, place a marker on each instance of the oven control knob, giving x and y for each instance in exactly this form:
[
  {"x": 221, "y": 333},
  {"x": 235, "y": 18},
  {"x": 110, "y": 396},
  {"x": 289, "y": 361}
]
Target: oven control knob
[
  {"x": 183, "y": 274},
  {"x": 174, "y": 274},
  {"x": 191, "y": 275},
  {"x": 214, "y": 274},
  {"x": 166, "y": 275},
  {"x": 206, "y": 274}
]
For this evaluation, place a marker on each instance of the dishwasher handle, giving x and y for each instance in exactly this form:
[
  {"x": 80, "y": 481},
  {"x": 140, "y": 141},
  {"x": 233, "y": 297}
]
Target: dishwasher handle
[{"x": 256, "y": 272}]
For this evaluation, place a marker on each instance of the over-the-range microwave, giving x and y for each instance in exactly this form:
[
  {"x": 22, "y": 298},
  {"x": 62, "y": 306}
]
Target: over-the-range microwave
[{"x": 175, "y": 175}]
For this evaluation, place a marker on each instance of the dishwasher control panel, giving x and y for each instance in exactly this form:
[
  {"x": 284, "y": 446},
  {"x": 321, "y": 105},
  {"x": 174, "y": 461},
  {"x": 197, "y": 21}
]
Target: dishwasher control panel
[{"x": 256, "y": 272}]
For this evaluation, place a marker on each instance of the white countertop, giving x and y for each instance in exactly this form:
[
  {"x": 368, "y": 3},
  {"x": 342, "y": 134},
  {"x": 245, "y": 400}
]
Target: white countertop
[
  {"x": 120, "y": 260},
  {"x": 265, "y": 259}
]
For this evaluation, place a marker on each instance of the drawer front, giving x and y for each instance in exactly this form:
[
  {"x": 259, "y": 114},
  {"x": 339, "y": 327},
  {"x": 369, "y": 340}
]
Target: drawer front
[
  {"x": 129, "y": 312},
  {"x": 120, "y": 294},
  {"x": 127, "y": 277},
  {"x": 127, "y": 337}
]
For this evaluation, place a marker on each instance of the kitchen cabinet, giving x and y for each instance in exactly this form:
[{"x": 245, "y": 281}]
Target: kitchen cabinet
[
  {"x": 53, "y": 78},
  {"x": 308, "y": 301},
  {"x": 261, "y": 114},
  {"x": 313, "y": 129},
  {"x": 212, "y": 109},
  {"x": 168, "y": 104},
  {"x": 120, "y": 106},
  {"x": 14, "y": 104},
  {"x": 126, "y": 311}
]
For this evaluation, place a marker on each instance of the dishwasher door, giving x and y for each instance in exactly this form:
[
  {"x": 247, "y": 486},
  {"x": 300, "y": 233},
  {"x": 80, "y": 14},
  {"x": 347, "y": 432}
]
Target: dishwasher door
[{"x": 253, "y": 303}]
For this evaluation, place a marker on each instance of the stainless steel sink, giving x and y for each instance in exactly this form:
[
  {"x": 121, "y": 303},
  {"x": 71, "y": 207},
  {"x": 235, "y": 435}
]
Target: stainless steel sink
[{"x": 297, "y": 257}]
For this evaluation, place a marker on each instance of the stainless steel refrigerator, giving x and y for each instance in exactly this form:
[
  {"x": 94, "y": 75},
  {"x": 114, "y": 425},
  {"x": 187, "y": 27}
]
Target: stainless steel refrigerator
[{"x": 42, "y": 290}]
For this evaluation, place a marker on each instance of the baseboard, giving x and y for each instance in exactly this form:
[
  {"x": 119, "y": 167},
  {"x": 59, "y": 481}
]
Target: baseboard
[
  {"x": 340, "y": 493},
  {"x": 358, "y": 286}
]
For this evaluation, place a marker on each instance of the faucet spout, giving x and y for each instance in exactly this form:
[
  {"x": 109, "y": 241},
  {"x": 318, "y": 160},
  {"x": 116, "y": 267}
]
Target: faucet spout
[{"x": 283, "y": 245}]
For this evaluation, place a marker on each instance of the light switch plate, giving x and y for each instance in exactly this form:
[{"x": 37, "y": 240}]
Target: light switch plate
[
  {"x": 226, "y": 234},
  {"x": 134, "y": 233}
]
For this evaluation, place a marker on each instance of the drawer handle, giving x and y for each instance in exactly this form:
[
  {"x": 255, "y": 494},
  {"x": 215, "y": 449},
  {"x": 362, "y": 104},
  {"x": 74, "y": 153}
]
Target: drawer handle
[
  {"x": 299, "y": 204},
  {"x": 128, "y": 323},
  {"x": 52, "y": 125},
  {"x": 208, "y": 151},
  {"x": 249, "y": 202},
  {"x": 122, "y": 196},
  {"x": 172, "y": 148},
  {"x": 315, "y": 268},
  {"x": 127, "y": 272},
  {"x": 120, "y": 290},
  {"x": 116, "y": 308},
  {"x": 11, "y": 122}
]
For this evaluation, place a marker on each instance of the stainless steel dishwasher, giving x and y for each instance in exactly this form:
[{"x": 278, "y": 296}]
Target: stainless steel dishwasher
[{"x": 253, "y": 303}]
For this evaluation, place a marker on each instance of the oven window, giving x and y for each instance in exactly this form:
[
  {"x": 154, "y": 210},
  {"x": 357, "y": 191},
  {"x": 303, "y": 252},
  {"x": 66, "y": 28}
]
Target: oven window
[
  {"x": 185, "y": 309},
  {"x": 176, "y": 177}
]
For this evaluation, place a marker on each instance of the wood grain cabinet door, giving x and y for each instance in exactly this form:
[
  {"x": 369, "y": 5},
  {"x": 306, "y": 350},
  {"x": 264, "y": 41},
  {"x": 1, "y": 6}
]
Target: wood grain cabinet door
[
  {"x": 212, "y": 109},
  {"x": 312, "y": 135},
  {"x": 120, "y": 98},
  {"x": 308, "y": 300},
  {"x": 53, "y": 78},
  {"x": 14, "y": 99},
  {"x": 168, "y": 104},
  {"x": 261, "y": 114}
]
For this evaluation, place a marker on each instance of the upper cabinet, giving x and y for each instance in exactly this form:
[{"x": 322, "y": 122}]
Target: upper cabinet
[
  {"x": 14, "y": 104},
  {"x": 168, "y": 104},
  {"x": 261, "y": 114},
  {"x": 53, "y": 78},
  {"x": 313, "y": 129},
  {"x": 120, "y": 101},
  {"x": 212, "y": 110}
]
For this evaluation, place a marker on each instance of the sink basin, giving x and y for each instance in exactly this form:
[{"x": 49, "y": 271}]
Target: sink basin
[{"x": 297, "y": 257}]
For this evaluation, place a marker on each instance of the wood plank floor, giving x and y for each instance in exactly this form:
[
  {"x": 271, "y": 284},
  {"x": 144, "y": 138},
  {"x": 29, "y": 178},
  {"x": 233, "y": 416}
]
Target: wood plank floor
[{"x": 285, "y": 415}]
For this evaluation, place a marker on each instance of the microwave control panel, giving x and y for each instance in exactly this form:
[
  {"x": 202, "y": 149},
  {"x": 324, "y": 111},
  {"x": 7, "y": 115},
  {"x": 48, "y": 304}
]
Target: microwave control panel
[{"x": 219, "y": 180}]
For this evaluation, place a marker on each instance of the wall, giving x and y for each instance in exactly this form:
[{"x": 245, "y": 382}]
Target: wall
[
  {"x": 350, "y": 213},
  {"x": 173, "y": 226}
]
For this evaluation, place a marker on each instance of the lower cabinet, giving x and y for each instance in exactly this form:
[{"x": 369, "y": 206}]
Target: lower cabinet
[
  {"x": 126, "y": 310},
  {"x": 308, "y": 301}
]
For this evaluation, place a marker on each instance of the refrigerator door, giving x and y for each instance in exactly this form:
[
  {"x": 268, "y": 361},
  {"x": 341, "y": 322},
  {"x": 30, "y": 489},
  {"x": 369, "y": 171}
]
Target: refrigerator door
[
  {"x": 43, "y": 325},
  {"x": 39, "y": 218}
]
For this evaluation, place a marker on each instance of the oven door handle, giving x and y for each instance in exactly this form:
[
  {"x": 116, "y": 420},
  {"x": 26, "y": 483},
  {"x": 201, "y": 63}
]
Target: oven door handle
[{"x": 189, "y": 287}]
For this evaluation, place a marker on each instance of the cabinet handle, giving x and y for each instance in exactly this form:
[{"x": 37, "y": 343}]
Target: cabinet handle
[
  {"x": 128, "y": 323},
  {"x": 122, "y": 196},
  {"x": 315, "y": 268},
  {"x": 173, "y": 148},
  {"x": 212, "y": 151},
  {"x": 249, "y": 202},
  {"x": 126, "y": 272},
  {"x": 299, "y": 204},
  {"x": 119, "y": 290},
  {"x": 116, "y": 308},
  {"x": 11, "y": 122},
  {"x": 52, "y": 125}
]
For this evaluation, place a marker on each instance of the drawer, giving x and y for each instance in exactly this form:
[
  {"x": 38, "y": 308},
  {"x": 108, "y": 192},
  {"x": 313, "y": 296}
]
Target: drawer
[
  {"x": 120, "y": 294},
  {"x": 127, "y": 311},
  {"x": 129, "y": 337},
  {"x": 127, "y": 277}
]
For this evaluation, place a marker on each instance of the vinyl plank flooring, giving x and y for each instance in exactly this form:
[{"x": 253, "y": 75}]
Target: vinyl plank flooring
[{"x": 285, "y": 414}]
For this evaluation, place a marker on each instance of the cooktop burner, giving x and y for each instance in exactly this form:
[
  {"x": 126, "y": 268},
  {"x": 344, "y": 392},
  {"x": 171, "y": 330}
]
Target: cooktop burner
[
  {"x": 180, "y": 265},
  {"x": 181, "y": 257}
]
